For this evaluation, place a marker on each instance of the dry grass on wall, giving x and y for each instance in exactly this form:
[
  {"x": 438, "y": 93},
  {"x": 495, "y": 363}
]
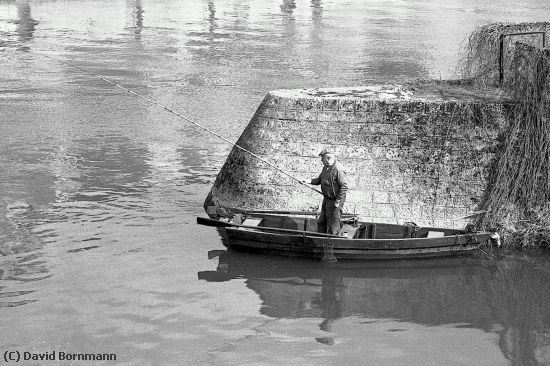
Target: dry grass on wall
[
  {"x": 481, "y": 60},
  {"x": 518, "y": 199},
  {"x": 482, "y": 54}
]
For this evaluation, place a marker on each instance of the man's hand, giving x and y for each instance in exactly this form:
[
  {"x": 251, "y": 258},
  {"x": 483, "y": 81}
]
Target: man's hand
[
  {"x": 337, "y": 204},
  {"x": 305, "y": 181}
]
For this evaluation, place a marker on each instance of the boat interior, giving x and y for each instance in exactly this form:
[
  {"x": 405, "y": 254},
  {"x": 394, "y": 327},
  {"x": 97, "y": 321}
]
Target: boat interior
[{"x": 351, "y": 228}]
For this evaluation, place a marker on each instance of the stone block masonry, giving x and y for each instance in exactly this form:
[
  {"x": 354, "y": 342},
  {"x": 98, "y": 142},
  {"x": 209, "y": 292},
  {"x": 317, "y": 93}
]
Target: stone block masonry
[{"x": 417, "y": 152}]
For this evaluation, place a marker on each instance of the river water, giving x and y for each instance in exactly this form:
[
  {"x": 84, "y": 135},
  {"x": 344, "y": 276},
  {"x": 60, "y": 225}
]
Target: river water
[{"x": 99, "y": 250}]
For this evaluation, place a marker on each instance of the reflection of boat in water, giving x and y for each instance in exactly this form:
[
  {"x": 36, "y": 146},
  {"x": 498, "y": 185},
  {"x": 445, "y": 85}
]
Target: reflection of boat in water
[
  {"x": 298, "y": 236},
  {"x": 502, "y": 297},
  {"x": 254, "y": 266},
  {"x": 427, "y": 291}
]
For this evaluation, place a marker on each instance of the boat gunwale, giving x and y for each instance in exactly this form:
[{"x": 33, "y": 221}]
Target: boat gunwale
[
  {"x": 297, "y": 242},
  {"x": 313, "y": 234},
  {"x": 341, "y": 238}
]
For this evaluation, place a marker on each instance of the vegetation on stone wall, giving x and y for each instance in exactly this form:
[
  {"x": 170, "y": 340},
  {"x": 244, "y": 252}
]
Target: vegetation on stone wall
[
  {"x": 481, "y": 59},
  {"x": 483, "y": 55},
  {"x": 517, "y": 201}
]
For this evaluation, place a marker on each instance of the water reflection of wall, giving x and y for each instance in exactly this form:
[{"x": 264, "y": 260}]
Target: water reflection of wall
[{"x": 510, "y": 299}]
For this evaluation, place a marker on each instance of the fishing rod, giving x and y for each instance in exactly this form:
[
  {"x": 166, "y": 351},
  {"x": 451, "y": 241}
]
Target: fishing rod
[{"x": 182, "y": 117}]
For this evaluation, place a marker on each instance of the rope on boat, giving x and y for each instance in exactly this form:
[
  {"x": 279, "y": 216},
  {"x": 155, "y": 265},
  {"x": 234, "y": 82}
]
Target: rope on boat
[{"x": 182, "y": 117}]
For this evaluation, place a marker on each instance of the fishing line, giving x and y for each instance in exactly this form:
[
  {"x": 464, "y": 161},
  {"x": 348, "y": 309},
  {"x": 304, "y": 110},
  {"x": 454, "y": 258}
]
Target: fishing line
[{"x": 180, "y": 116}]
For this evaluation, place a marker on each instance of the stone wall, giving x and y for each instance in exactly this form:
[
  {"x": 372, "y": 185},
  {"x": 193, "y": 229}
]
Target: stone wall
[{"x": 418, "y": 152}]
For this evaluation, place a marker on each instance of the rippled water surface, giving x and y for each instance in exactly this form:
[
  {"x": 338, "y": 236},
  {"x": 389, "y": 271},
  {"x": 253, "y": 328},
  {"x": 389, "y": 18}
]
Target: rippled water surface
[{"x": 99, "y": 190}]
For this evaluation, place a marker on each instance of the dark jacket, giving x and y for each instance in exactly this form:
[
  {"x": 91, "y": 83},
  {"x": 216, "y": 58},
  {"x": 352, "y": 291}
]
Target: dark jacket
[{"x": 333, "y": 183}]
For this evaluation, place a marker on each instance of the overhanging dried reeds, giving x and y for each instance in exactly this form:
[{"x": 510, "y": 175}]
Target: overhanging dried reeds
[
  {"x": 481, "y": 62},
  {"x": 519, "y": 189},
  {"x": 490, "y": 49}
]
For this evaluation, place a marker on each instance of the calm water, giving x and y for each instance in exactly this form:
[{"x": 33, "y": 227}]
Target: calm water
[{"x": 99, "y": 250}]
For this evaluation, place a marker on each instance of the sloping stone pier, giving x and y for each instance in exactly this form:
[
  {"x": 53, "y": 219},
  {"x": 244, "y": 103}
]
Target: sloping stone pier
[{"x": 418, "y": 152}]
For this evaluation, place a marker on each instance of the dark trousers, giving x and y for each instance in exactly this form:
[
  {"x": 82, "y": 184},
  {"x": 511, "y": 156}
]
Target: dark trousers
[{"x": 329, "y": 221}]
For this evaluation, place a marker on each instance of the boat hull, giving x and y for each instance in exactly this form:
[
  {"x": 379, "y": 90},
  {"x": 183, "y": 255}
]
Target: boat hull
[{"x": 352, "y": 249}]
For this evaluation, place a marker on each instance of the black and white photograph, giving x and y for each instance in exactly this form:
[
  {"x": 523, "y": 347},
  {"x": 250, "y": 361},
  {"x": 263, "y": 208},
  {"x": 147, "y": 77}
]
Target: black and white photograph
[{"x": 275, "y": 182}]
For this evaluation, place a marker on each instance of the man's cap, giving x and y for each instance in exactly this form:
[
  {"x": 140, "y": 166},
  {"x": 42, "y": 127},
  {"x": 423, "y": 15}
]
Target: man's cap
[{"x": 327, "y": 150}]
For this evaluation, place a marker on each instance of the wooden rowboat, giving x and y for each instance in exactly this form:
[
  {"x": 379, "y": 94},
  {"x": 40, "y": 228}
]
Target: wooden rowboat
[{"x": 298, "y": 236}]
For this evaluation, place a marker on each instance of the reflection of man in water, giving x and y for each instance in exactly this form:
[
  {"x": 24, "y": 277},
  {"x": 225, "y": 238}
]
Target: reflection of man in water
[
  {"x": 331, "y": 306},
  {"x": 334, "y": 187}
]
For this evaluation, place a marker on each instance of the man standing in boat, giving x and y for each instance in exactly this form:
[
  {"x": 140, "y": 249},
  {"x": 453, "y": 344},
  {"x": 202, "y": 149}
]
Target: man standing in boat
[{"x": 334, "y": 187}]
